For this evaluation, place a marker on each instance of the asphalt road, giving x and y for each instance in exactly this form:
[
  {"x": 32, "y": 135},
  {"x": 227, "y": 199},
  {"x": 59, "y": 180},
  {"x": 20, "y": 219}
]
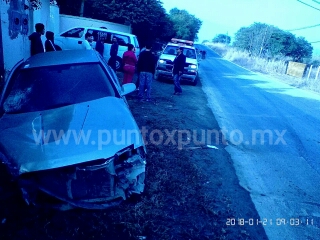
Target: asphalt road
[{"x": 273, "y": 134}]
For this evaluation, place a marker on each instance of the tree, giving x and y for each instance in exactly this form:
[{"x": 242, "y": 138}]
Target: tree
[
  {"x": 70, "y": 7},
  {"x": 148, "y": 18},
  {"x": 281, "y": 43},
  {"x": 265, "y": 40},
  {"x": 221, "y": 38},
  {"x": 185, "y": 25},
  {"x": 254, "y": 38},
  {"x": 302, "y": 50}
]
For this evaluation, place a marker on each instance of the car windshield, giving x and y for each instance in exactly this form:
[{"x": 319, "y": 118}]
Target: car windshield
[
  {"x": 188, "y": 52},
  {"x": 49, "y": 87}
]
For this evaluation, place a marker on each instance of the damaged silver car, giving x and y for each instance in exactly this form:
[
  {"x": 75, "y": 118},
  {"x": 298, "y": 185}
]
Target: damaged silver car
[{"x": 67, "y": 134}]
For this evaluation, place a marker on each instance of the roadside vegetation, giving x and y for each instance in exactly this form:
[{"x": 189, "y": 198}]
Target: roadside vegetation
[{"x": 267, "y": 49}]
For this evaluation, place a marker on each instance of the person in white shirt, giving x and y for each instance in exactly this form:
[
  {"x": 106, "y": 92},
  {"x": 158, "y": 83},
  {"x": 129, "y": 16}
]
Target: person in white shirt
[{"x": 87, "y": 43}]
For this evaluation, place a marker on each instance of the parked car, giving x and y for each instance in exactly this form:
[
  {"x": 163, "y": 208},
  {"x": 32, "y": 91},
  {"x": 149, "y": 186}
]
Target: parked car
[
  {"x": 67, "y": 134},
  {"x": 73, "y": 38},
  {"x": 165, "y": 62}
]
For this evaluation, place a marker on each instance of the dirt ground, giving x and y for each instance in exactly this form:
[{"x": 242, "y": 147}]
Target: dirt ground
[{"x": 191, "y": 190}]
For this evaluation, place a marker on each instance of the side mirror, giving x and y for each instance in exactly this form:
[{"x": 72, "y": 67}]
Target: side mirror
[{"x": 127, "y": 88}]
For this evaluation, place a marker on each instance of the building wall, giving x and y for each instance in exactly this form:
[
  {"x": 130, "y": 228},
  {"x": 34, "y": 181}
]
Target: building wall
[
  {"x": 14, "y": 40},
  {"x": 67, "y": 22},
  {"x": 18, "y": 18}
]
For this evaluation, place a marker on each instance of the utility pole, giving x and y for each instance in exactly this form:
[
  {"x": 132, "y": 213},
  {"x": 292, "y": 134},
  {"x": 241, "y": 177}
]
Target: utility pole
[{"x": 82, "y": 8}]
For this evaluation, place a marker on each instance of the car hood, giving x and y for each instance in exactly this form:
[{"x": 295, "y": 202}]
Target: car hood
[
  {"x": 67, "y": 135},
  {"x": 172, "y": 57}
]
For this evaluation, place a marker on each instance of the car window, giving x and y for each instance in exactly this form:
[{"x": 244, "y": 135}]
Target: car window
[
  {"x": 73, "y": 33},
  {"x": 103, "y": 35},
  {"x": 136, "y": 42},
  {"x": 171, "y": 50},
  {"x": 111, "y": 72},
  {"x": 190, "y": 53},
  {"x": 43, "y": 88},
  {"x": 122, "y": 39}
]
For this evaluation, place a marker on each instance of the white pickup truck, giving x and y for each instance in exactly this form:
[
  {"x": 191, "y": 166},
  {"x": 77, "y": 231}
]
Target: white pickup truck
[{"x": 165, "y": 62}]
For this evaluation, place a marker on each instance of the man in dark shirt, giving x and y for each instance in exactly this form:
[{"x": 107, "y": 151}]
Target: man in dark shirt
[
  {"x": 177, "y": 71},
  {"x": 35, "y": 38},
  {"x": 146, "y": 68},
  {"x": 114, "y": 53}
]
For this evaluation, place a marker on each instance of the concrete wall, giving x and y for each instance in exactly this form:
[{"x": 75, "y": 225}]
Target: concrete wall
[
  {"x": 67, "y": 22},
  {"x": 14, "y": 33},
  {"x": 18, "y": 19},
  {"x": 14, "y": 40}
]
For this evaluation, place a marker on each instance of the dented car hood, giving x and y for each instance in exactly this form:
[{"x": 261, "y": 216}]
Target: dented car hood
[{"x": 67, "y": 135}]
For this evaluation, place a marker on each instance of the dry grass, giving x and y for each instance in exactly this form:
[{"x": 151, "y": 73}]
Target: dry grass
[{"x": 276, "y": 68}]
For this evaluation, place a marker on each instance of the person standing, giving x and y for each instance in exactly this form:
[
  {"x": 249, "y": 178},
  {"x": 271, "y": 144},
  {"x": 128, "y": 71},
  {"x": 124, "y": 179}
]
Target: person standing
[
  {"x": 49, "y": 43},
  {"x": 177, "y": 71},
  {"x": 129, "y": 61},
  {"x": 138, "y": 78},
  {"x": 146, "y": 68},
  {"x": 203, "y": 54},
  {"x": 100, "y": 45},
  {"x": 87, "y": 43},
  {"x": 113, "y": 53},
  {"x": 35, "y": 38}
]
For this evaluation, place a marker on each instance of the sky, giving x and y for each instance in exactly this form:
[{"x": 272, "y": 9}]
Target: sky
[{"x": 228, "y": 16}]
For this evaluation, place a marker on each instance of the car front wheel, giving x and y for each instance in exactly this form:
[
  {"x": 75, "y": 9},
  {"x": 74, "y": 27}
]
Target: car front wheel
[{"x": 119, "y": 63}]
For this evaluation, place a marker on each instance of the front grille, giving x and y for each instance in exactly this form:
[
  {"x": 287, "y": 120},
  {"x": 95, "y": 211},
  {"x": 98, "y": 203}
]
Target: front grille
[{"x": 168, "y": 65}]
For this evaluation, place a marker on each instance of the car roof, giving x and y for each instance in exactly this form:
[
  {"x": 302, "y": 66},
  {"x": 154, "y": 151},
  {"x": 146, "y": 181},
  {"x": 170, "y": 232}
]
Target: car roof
[
  {"x": 180, "y": 45},
  {"x": 62, "y": 57},
  {"x": 104, "y": 29}
]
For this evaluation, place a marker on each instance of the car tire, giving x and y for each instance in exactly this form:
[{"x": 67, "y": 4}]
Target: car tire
[
  {"x": 194, "y": 83},
  {"x": 119, "y": 63},
  {"x": 157, "y": 76}
]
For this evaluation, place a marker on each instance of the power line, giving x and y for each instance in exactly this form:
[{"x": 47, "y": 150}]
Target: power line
[
  {"x": 309, "y": 5},
  {"x": 315, "y": 42},
  {"x": 296, "y": 29},
  {"x": 316, "y": 1}
]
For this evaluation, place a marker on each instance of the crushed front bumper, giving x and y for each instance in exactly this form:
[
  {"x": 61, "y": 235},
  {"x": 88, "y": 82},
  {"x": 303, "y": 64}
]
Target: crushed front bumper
[{"x": 97, "y": 184}]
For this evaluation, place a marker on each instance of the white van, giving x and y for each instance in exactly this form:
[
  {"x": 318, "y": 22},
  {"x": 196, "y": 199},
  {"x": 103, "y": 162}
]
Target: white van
[{"x": 73, "y": 38}]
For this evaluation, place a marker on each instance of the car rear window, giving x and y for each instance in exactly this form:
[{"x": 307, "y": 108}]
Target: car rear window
[{"x": 43, "y": 88}]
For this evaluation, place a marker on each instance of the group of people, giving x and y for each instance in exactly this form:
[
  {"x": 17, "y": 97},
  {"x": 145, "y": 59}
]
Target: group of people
[
  {"x": 36, "y": 42},
  {"x": 145, "y": 64}
]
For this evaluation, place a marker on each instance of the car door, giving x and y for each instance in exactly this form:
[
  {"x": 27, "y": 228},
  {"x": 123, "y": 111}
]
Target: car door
[
  {"x": 105, "y": 36},
  {"x": 123, "y": 41},
  {"x": 71, "y": 39}
]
